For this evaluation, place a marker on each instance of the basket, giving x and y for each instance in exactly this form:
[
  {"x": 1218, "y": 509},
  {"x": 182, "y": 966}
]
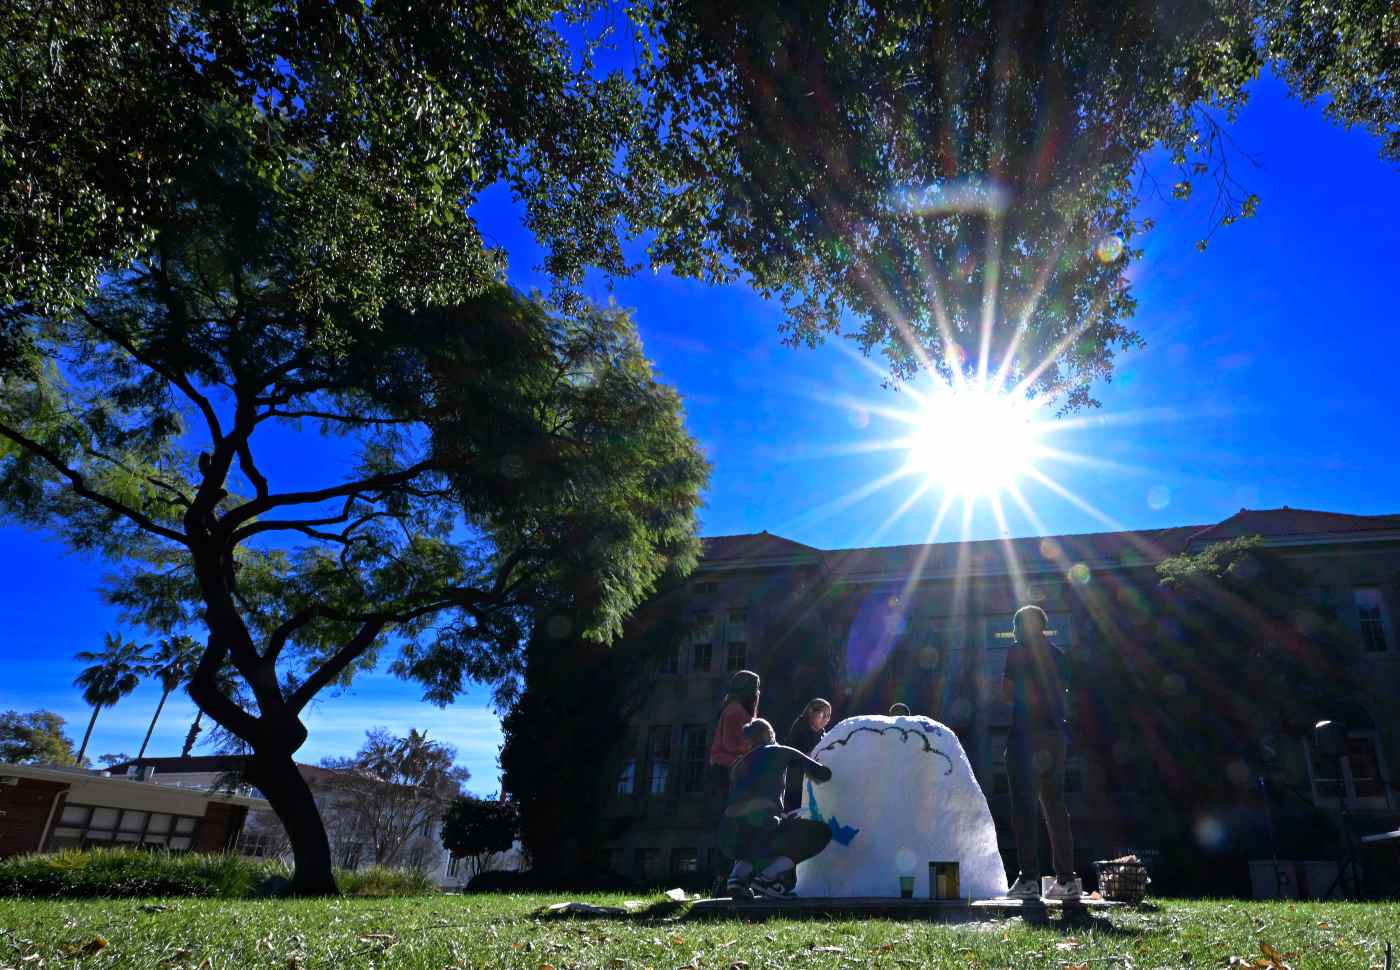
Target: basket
[{"x": 1124, "y": 882}]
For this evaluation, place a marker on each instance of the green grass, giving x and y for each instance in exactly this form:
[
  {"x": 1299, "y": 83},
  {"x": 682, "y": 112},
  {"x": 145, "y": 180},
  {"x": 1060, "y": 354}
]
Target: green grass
[{"x": 446, "y": 932}]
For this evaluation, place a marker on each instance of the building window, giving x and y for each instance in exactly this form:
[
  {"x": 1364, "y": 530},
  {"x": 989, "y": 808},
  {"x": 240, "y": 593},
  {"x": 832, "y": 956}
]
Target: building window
[
  {"x": 649, "y": 865},
  {"x": 613, "y": 860},
  {"x": 706, "y": 589},
  {"x": 701, "y": 658},
  {"x": 453, "y": 865},
  {"x": 1370, "y": 612},
  {"x": 737, "y": 656},
  {"x": 350, "y": 853},
  {"x": 659, "y": 759},
  {"x": 685, "y": 862},
  {"x": 417, "y": 857},
  {"x": 694, "y": 753},
  {"x": 80, "y": 826},
  {"x": 738, "y": 626},
  {"x": 669, "y": 663},
  {"x": 627, "y": 777},
  {"x": 1355, "y": 776}
]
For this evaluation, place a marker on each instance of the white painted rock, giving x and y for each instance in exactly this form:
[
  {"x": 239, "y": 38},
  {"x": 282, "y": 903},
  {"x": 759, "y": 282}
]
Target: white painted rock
[{"x": 902, "y": 795}]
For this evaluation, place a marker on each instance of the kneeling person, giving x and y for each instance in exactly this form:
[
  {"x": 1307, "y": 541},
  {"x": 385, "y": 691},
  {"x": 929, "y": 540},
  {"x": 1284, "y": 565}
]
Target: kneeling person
[{"x": 765, "y": 845}]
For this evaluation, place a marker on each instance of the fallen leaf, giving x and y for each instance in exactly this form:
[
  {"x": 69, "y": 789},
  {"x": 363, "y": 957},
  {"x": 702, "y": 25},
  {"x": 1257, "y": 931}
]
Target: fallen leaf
[
  {"x": 95, "y": 944},
  {"x": 546, "y": 966},
  {"x": 1076, "y": 966},
  {"x": 678, "y": 940}
]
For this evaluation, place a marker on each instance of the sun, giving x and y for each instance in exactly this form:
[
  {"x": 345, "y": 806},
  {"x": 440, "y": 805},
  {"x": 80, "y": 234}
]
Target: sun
[{"x": 973, "y": 440}]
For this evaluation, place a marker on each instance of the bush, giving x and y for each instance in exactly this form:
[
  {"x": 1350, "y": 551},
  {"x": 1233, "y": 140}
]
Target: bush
[
  {"x": 89, "y": 873},
  {"x": 84, "y": 873},
  {"x": 383, "y": 881}
]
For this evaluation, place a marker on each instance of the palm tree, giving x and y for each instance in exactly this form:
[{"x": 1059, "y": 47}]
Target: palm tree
[
  {"x": 172, "y": 663},
  {"x": 114, "y": 673},
  {"x": 227, "y": 682}
]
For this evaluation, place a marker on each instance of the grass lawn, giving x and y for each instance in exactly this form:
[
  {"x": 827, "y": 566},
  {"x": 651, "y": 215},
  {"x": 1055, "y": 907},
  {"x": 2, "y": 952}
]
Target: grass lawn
[{"x": 444, "y": 932}]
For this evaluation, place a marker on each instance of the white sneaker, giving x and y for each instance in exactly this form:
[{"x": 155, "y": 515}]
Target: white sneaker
[
  {"x": 1072, "y": 889},
  {"x": 1025, "y": 887}
]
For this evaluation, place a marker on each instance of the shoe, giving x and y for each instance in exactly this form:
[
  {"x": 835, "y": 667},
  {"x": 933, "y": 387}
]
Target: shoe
[
  {"x": 770, "y": 889},
  {"x": 1071, "y": 889},
  {"x": 738, "y": 892},
  {"x": 1025, "y": 887}
]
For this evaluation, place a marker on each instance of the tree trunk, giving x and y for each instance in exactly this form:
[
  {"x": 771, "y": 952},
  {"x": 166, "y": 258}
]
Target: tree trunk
[
  {"x": 193, "y": 735},
  {"x": 142, "y": 753},
  {"x": 275, "y": 774},
  {"x": 88, "y": 734}
]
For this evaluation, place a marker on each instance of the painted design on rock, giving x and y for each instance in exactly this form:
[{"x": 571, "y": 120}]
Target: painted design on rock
[{"x": 896, "y": 802}]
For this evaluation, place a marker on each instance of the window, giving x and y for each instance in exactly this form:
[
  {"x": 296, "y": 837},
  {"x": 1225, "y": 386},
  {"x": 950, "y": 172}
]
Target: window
[
  {"x": 738, "y": 626},
  {"x": 1357, "y": 776},
  {"x": 79, "y": 826},
  {"x": 659, "y": 758},
  {"x": 736, "y": 657},
  {"x": 350, "y": 855},
  {"x": 649, "y": 865},
  {"x": 706, "y": 589},
  {"x": 613, "y": 860},
  {"x": 685, "y": 862},
  {"x": 417, "y": 857},
  {"x": 694, "y": 753},
  {"x": 702, "y": 656},
  {"x": 1370, "y": 612},
  {"x": 627, "y": 777},
  {"x": 669, "y": 663},
  {"x": 453, "y": 865}
]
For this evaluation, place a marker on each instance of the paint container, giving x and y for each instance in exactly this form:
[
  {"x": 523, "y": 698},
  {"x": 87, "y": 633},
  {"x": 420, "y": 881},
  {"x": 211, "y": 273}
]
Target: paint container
[
  {"x": 906, "y": 887},
  {"x": 943, "y": 880}
]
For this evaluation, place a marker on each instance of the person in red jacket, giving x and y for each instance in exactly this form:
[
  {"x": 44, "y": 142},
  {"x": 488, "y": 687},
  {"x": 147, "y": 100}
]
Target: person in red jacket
[{"x": 740, "y": 706}]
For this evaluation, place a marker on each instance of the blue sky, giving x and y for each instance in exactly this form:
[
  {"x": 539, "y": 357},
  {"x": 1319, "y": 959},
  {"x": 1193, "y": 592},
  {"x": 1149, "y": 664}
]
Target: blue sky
[{"x": 1267, "y": 380}]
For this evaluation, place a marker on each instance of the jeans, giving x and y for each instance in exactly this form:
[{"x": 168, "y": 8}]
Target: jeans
[
  {"x": 1035, "y": 770},
  {"x": 797, "y": 838}
]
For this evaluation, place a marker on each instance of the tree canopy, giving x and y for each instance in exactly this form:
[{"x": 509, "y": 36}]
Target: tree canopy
[
  {"x": 35, "y": 738},
  {"x": 478, "y": 828}
]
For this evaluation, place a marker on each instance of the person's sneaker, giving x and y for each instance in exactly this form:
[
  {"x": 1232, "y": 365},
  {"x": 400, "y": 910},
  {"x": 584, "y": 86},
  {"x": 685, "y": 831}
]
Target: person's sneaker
[
  {"x": 770, "y": 888},
  {"x": 1025, "y": 887},
  {"x": 1071, "y": 889},
  {"x": 738, "y": 892}
]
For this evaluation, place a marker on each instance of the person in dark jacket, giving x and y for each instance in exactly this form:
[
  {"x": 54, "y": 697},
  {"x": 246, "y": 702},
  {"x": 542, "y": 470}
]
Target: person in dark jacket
[
  {"x": 1034, "y": 686},
  {"x": 765, "y": 844},
  {"x": 805, "y": 733}
]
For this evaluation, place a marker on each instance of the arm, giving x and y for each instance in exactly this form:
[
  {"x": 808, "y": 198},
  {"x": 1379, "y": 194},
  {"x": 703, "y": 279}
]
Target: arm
[
  {"x": 731, "y": 728},
  {"x": 1008, "y": 688},
  {"x": 815, "y": 770}
]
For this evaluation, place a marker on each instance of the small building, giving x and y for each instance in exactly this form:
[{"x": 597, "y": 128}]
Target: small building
[{"x": 44, "y": 808}]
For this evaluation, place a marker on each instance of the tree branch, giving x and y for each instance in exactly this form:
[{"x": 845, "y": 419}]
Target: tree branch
[
  {"x": 258, "y": 506},
  {"x": 333, "y": 667},
  {"x": 80, "y": 486}
]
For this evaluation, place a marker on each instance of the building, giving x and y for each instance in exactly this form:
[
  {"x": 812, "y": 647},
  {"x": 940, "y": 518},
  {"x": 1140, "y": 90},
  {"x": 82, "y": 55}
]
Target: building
[
  {"x": 264, "y": 837},
  {"x": 45, "y": 808},
  {"x": 928, "y": 625}
]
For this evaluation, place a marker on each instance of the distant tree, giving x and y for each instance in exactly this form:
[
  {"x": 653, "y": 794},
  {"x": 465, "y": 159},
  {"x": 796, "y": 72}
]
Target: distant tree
[
  {"x": 172, "y": 662},
  {"x": 391, "y": 791},
  {"x": 115, "y": 758},
  {"x": 35, "y": 738},
  {"x": 475, "y": 829},
  {"x": 115, "y": 672}
]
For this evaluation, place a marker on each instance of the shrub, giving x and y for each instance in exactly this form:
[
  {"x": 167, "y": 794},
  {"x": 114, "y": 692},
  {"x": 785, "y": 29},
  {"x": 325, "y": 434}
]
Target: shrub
[
  {"x": 383, "y": 881},
  {"x": 89, "y": 873},
  {"x": 81, "y": 873}
]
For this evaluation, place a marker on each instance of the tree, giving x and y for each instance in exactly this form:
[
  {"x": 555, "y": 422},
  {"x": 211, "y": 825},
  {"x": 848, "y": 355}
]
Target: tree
[
  {"x": 114, "y": 672},
  {"x": 379, "y": 122},
  {"x": 953, "y": 185},
  {"x": 500, "y": 447},
  {"x": 171, "y": 663},
  {"x": 392, "y": 790},
  {"x": 35, "y": 738},
  {"x": 477, "y": 828},
  {"x": 226, "y": 683}
]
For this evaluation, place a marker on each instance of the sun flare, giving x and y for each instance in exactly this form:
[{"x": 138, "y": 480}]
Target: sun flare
[{"x": 973, "y": 441}]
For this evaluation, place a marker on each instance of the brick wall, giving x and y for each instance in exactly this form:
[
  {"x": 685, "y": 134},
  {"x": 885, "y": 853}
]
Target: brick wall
[
  {"x": 219, "y": 827},
  {"x": 26, "y": 808}
]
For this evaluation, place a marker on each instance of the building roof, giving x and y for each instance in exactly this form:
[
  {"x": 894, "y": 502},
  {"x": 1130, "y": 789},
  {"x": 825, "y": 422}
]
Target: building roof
[
  {"x": 87, "y": 784},
  {"x": 1033, "y": 554},
  {"x": 201, "y": 764},
  {"x": 1285, "y": 521},
  {"x": 753, "y": 546}
]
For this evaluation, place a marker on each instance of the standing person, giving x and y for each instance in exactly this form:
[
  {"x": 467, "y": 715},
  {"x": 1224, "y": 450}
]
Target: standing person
[
  {"x": 806, "y": 731},
  {"x": 1034, "y": 685},
  {"x": 765, "y": 844},
  {"x": 740, "y": 706}
]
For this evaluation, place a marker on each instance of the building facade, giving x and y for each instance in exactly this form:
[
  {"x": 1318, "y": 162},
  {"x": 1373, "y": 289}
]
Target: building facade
[
  {"x": 44, "y": 809},
  {"x": 929, "y": 626}
]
